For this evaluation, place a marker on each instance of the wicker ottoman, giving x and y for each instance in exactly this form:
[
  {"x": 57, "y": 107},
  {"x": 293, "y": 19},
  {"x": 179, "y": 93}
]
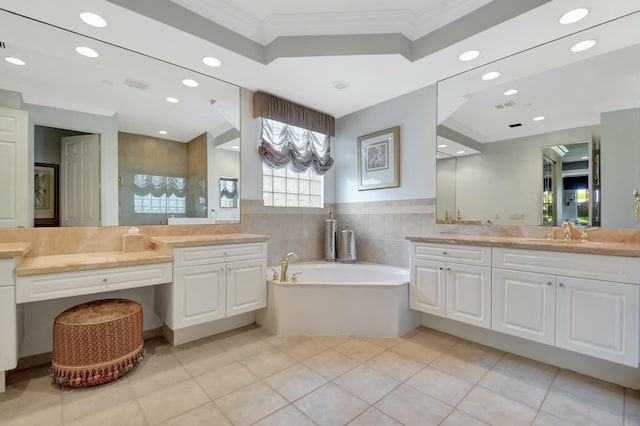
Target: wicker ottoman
[{"x": 96, "y": 342}]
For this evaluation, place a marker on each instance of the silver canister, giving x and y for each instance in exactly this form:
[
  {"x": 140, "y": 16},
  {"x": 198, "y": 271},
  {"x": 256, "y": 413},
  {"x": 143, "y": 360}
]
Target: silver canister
[
  {"x": 347, "y": 251},
  {"x": 330, "y": 239}
]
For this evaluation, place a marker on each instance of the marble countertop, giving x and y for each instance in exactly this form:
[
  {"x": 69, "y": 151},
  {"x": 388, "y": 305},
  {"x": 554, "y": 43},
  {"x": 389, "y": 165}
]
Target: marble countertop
[
  {"x": 576, "y": 246},
  {"x": 37, "y": 265},
  {"x": 204, "y": 240},
  {"x": 9, "y": 250}
]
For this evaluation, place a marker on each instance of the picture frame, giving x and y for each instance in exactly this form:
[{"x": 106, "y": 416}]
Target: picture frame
[
  {"x": 379, "y": 159},
  {"x": 46, "y": 195}
]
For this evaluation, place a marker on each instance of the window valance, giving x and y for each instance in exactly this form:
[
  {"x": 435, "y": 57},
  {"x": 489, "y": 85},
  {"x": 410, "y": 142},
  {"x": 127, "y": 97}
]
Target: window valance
[
  {"x": 275, "y": 108},
  {"x": 159, "y": 185}
]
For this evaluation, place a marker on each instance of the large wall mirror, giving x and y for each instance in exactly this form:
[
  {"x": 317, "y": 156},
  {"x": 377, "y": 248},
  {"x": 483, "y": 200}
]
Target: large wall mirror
[
  {"x": 134, "y": 140},
  {"x": 555, "y": 137}
]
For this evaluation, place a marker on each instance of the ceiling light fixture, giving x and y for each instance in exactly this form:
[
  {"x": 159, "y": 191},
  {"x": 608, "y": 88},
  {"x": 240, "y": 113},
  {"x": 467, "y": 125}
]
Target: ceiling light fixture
[
  {"x": 469, "y": 55},
  {"x": 583, "y": 45},
  {"x": 235, "y": 147},
  {"x": 341, "y": 84},
  {"x": 511, "y": 92},
  {"x": 190, "y": 83},
  {"x": 87, "y": 51},
  {"x": 211, "y": 61},
  {"x": 442, "y": 146},
  {"x": 93, "y": 19},
  {"x": 459, "y": 152},
  {"x": 538, "y": 118},
  {"x": 14, "y": 61},
  {"x": 573, "y": 16},
  {"x": 172, "y": 100},
  {"x": 162, "y": 132},
  {"x": 491, "y": 75}
]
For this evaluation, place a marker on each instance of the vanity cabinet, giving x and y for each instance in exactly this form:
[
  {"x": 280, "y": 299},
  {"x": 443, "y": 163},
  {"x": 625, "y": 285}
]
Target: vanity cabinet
[
  {"x": 451, "y": 281},
  {"x": 8, "y": 334},
  {"x": 215, "y": 282}
]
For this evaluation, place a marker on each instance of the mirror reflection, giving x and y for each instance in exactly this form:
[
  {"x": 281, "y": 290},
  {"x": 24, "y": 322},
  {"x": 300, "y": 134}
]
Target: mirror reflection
[
  {"x": 137, "y": 141},
  {"x": 554, "y": 138}
]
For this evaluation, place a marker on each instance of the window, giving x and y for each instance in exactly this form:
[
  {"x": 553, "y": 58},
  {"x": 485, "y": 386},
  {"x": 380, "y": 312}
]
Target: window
[
  {"x": 287, "y": 188},
  {"x": 159, "y": 194}
]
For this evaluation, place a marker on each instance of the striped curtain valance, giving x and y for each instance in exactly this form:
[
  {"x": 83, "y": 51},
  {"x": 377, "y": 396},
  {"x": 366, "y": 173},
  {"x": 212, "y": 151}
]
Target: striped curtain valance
[{"x": 275, "y": 108}]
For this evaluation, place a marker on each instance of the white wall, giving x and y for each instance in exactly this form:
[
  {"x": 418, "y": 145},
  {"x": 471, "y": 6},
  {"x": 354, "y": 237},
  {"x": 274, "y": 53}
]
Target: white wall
[{"x": 415, "y": 113}]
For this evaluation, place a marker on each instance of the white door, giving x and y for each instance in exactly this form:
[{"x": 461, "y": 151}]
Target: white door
[
  {"x": 246, "y": 286},
  {"x": 524, "y": 305},
  {"x": 80, "y": 181},
  {"x": 199, "y": 294},
  {"x": 469, "y": 294},
  {"x": 427, "y": 287},
  {"x": 14, "y": 175},
  {"x": 598, "y": 318}
]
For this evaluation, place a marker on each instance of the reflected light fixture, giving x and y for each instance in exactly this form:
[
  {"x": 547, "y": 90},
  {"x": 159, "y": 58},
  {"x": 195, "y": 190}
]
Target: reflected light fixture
[
  {"x": 511, "y": 92},
  {"x": 93, "y": 19},
  {"x": 469, "y": 55},
  {"x": 583, "y": 45},
  {"x": 538, "y": 118},
  {"x": 190, "y": 83},
  {"x": 14, "y": 61},
  {"x": 87, "y": 51},
  {"x": 211, "y": 61},
  {"x": 442, "y": 146},
  {"x": 459, "y": 152},
  {"x": 573, "y": 16},
  {"x": 491, "y": 75},
  {"x": 162, "y": 132},
  {"x": 235, "y": 147},
  {"x": 172, "y": 100}
]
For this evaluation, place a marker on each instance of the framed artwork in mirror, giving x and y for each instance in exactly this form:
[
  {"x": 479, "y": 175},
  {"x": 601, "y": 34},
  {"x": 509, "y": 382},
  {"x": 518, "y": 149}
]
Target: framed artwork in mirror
[
  {"x": 46, "y": 197},
  {"x": 379, "y": 159}
]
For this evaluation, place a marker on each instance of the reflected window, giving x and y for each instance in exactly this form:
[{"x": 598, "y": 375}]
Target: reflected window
[{"x": 159, "y": 194}]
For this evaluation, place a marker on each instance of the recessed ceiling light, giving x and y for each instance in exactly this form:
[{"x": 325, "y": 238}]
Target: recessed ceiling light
[
  {"x": 459, "y": 152},
  {"x": 87, "y": 51},
  {"x": 162, "y": 132},
  {"x": 469, "y": 55},
  {"x": 574, "y": 15},
  {"x": 511, "y": 92},
  {"x": 93, "y": 19},
  {"x": 211, "y": 61},
  {"x": 14, "y": 61},
  {"x": 235, "y": 147},
  {"x": 583, "y": 45},
  {"x": 491, "y": 75},
  {"x": 442, "y": 146},
  {"x": 437, "y": 155},
  {"x": 341, "y": 84},
  {"x": 190, "y": 83},
  {"x": 538, "y": 118},
  {"x": 172, "y": 100}
]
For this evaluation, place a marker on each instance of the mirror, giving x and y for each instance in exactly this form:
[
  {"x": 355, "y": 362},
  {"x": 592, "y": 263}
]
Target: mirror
[
  {"x": 160, "y": 145},
  {"x": 495, "y": 138}
]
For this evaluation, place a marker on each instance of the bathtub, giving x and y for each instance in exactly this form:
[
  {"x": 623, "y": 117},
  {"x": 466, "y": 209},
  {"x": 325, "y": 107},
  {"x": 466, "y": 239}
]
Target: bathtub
[{"x": 336, "y": 299}]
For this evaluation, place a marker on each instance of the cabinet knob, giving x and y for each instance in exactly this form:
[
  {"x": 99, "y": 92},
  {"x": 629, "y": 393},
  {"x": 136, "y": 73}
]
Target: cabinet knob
[
  {"x": 444, "y": 253},
  {"x": 561, "y": 284},
  {"x": 441, "y": 268},
  {"x": 448, "y": 269},
  {"x": 104, "y": 280},
  {"x": 549, "y": 283}
]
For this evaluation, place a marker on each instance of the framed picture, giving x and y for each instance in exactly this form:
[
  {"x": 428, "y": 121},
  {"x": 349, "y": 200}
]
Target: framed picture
[
  {"x": 379, "y": 159},
  {"x": 46, "y": 195}
]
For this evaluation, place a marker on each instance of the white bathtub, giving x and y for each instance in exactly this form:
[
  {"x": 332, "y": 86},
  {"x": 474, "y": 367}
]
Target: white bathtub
[{"x": 336, "y": 299}]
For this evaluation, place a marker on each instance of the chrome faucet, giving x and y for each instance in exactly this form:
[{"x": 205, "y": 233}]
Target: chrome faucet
[
  {"x": 285, "y": 265},
  {"x": 567, "y": 227}
]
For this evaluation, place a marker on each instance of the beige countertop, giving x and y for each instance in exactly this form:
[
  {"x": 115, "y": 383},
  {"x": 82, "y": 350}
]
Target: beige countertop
[
  {"x": 205, "y": 240},
  {"x": 574, "y": 246},
  {"x": 9, "y": 250},
  {"x": 37, "y": 265}
]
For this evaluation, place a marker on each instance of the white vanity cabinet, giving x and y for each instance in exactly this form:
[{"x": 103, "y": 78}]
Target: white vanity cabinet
[
  {"x": 452, "y": 281},
  {"x": 215, "y": 282},
  {"x": 8, "y": 334}
]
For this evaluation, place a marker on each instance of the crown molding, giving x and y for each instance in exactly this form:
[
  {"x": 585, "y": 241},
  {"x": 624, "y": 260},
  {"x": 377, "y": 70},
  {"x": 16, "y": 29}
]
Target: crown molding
[{"x": 445, "y": 13}]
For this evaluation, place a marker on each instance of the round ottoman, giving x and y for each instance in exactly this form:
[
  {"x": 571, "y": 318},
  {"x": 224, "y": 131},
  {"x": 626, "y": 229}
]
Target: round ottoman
[{"x": 96, "y": 342}]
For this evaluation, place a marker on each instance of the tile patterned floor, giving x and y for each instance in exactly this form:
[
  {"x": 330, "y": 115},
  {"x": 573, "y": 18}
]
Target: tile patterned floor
[{"x": 248, "y": 376}]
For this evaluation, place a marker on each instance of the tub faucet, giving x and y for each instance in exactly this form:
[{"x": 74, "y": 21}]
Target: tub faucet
[
  {"x": 567, "y": 227},
  {"x": 285, "y": 265}
]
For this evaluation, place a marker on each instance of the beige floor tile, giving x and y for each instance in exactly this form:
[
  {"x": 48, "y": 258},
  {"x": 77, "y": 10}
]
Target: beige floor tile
[
  {"x": 288, "y": 415},
  {"x": 268, "y": 362},
  {"x": 195, "y": 351},
  {"x": 250, "y": 404},
  {"x": 394, "y": 365},
  {"x": 432, "y": 339},
  {"x": 467, "y": 361},
  {"x": 367, "y": 383},
  {"x": 31, "y": 399},
  {"x": 545, "y": 419},
  {"x": 441, "y": 386},
  {"x": 332, "y": 341},
  {"x": 295, "y": 382},
  {"x": 416, "y": 352},
  {"x": 459, "y": 418},
  {"x": 374, "y": 417},
  {"x": 383, "y": 342},
  {"x": 330, "y": 364},
  {"x": 206, "y": 415},
  {"x": 126, "y": 413},
  {"x": 576, "y": 409},
  {"x": 493, "y": 408},
  {"x": 411, "y": 407},
  {"x": 277, "y": 341},
  {"x": 44, "y": 415},
  {"x": 303, "y": 349},
  {"x": 331, "y": 405},
  {"x": 247, "y": 350},
  {"x": 591, "y": 389},
  {"x": 226, "y": 380},
  {"x": 359, "y": 349},
  {"x": 632, "y": 407},
  {"x": 172, "y": 401},
  {"x": 81, "y": 402},
  {"x": 159, "y": 369}
]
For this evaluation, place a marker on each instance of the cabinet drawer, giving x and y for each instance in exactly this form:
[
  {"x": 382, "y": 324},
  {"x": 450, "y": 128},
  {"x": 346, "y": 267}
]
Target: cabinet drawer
[
  {"x": 469, "y": 255},
  {"x": 7, "y": 268},
  {"x": 599, "y": 267},
  {"x": 63, "y": 284},
  {"x": 193, "y": 256}
]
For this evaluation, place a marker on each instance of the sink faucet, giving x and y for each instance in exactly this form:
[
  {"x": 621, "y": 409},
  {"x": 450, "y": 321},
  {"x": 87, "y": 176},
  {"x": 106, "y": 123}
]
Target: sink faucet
[
  {"x": 567, "y": 227},
  {"x": 285, "y": 265}
]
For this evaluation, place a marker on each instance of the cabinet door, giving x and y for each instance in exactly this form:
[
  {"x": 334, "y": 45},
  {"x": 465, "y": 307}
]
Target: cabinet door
[
  {"x": 8, "y": 348},
  {"x": 427, "y": 287},
  {"x": 524, "y": 305},
  {"x": 199, "y": 294},
  {"x": 469, "y": 294},
  {"x": 598, "y": 318},
  {"x": 246, "y": 286}
]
